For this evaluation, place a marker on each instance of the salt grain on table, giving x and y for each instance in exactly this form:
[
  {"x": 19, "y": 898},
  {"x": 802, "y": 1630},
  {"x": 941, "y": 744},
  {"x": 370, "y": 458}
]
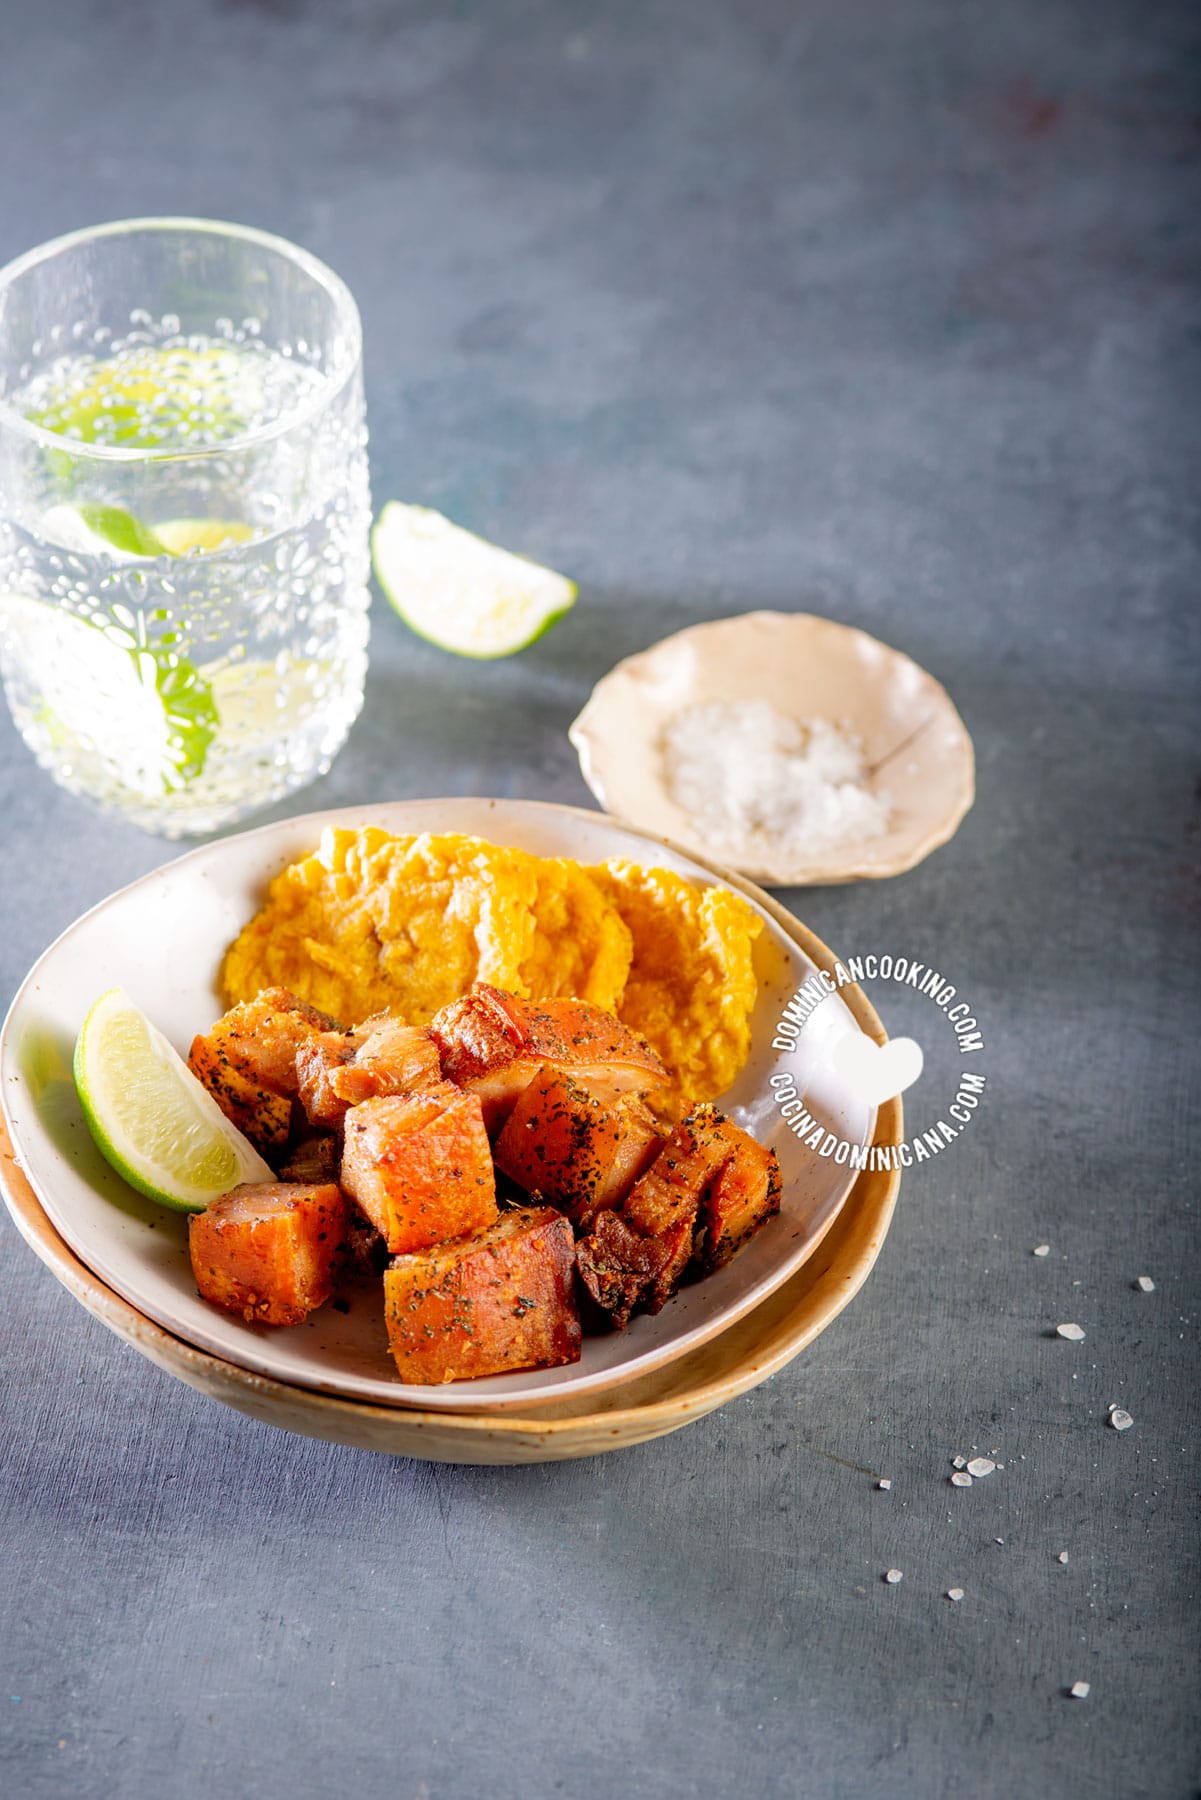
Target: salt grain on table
[
  {"x": 961, "y": 1478},
  {"x": 981, "y": 1465},
  {"x": 954, "y": 1593},
  {"x": 1063, "y": 1556},
  {"x": 1042, "y": 1250},
  {"x": 1072, "y": 1332},
  {"x": 1120, "y": 1419},
  {"x": 884, "y": 1484},
  {"x": 1145, "y": 1285},
  {"x": 959, "y": 1462},
  {"x": 1079, "y": 1690},
  {"x": 892, "y": 1576}
]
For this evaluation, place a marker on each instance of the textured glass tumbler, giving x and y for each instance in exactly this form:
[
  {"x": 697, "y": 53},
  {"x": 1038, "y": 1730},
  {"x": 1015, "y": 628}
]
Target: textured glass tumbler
[{"x": 184, "y": 517}]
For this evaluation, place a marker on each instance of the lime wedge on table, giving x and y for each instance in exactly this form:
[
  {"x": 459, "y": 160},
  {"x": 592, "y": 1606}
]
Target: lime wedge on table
[
  {"x": 151, "y": 1119},
  {"x": 461, "y": 593}
]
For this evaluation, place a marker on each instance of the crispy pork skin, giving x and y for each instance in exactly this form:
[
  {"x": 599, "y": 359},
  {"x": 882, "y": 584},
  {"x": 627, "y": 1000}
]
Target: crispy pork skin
[
  {"x": 267, "y": 1250},
  {"x": 581, "y": 1153},
  {"x": 743, "y": 1196},
  {"x": 500, "y": 1299},
  {"x": 420, "y": 1166},
  {"x": 495, "y": 1044},
  {"x": 671, "y": 1190},
  {"x": 247, "y": 1061},
  {"x": 382, "y": 1056},
  {"x": 708, "y": 1191},
  {"x": 626, "y": 1272}
]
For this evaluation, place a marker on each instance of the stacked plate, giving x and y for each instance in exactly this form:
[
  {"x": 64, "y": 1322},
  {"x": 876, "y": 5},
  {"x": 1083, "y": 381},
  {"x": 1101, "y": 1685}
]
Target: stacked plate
[{"x": 162, "y": 940}]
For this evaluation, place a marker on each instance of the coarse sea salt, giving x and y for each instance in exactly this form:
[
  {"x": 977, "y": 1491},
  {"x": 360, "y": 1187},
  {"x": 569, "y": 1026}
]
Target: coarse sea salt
[
  {"x": 749, "y": 775},
  {"x": 1073, "y": 1333}
]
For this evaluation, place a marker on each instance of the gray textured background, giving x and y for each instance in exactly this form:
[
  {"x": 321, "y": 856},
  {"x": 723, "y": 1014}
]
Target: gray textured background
[{"x": 883, "y": 310}]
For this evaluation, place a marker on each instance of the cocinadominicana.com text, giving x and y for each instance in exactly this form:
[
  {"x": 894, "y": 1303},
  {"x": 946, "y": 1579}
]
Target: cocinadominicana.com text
[{"x": 814, "y": 1136}]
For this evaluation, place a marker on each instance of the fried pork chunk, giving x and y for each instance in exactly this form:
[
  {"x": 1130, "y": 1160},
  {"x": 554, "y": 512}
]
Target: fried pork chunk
[
  {"x": 581, "y": 1153},
  {"x": 744, "y": 1195},
  {"x": 709, "y": 1189},
  {"x": 383, "y": 1055},
  {"x": 268, "y": 1250},
  {"x": 420, "y": 1166},
  {"x": 318, "y": 1159},
  {"x": 495, "y": 1044},
  {"x": 312, "y": 1159},
  {"x": 248, "y": 1063},
  {"x": 672, "y": 1189},
  {"x": 500, "y": 1299},
  {"x": 626, "y": 1272}
]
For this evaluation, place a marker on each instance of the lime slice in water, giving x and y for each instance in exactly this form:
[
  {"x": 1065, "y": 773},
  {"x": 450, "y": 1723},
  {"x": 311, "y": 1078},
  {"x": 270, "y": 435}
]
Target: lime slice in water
[
  {"x": 150, "y": 1117},
  {"x": 149, "y": 396},
  {"x": 461, "y": 593},
  {"x": 85, "y": 528},
  {"x": 98, "y": 530},
  {"x": 178, "y": 536},
  {"x": 145, "y": 711},
  {"x": 122, "y": 531}
]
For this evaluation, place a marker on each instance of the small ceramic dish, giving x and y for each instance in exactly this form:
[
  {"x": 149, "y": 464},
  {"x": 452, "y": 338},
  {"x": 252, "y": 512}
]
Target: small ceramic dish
[
  {"x": 162, "y": 939},
  {"x": 916, "y": 748}
]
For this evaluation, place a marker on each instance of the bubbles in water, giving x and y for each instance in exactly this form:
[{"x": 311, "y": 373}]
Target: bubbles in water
[{"x": 151, "y": 389}]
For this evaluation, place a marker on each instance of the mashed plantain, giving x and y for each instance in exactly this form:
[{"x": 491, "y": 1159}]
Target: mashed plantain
[
  {"x": 372, "y": 922},
  {"x": 691, "y": 987}
]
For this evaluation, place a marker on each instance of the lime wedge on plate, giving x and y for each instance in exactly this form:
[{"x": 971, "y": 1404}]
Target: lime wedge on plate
[
  {"x": 461, "y": 593},
  {"x": 151, "y": 1119}
]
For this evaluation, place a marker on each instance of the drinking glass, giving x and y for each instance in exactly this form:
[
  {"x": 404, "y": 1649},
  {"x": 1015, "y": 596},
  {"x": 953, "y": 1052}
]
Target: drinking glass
[{"x": 184, "y": 517}]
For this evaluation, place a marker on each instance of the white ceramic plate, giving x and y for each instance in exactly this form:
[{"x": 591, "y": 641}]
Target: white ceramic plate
[
  {"x": 162, "y": 939},
  {"x": 914, "y": 742}
]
